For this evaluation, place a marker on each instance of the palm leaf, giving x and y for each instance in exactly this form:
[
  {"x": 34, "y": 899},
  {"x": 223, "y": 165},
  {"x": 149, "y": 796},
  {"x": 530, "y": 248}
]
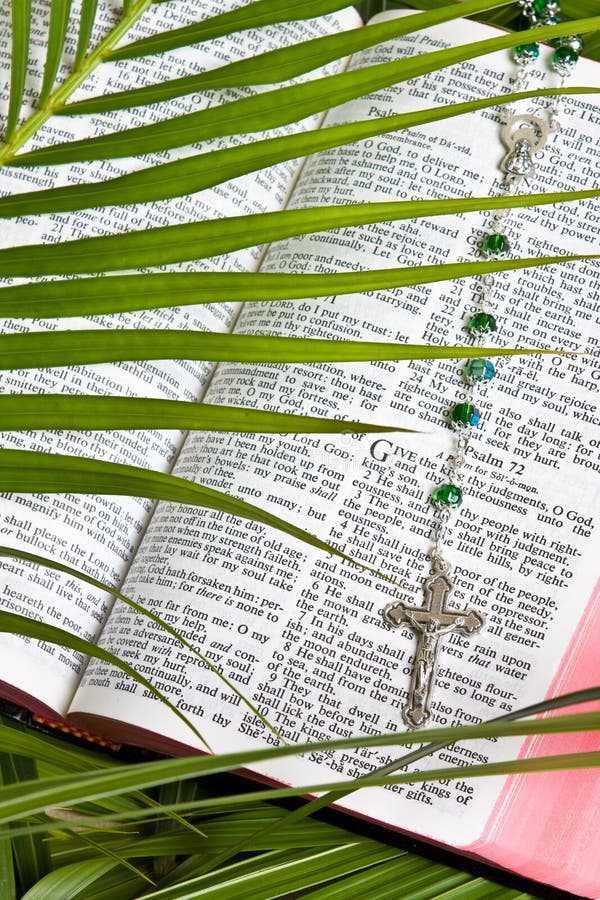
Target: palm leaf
[
  {"x": 31, "y": 855},
  {"x": 76, "y": 881},
  {"x": 20, "y": 739},
  {"x": 21, "y": 17},
  {"x": 86, "y": 24},
  {"x": 418, "y": 877},
  {"x": 8, "y": 887},
  {"x": 121, "y": 293},
  {"x": 276, "y": 873},
  {"x": 28, "y": 471},
  {"x": 104, "y": 850},
  {"x": 199, "y": 240},
  {"x": 196, "y": 173},
  {"x": 227, "y": 831},
  {"x": 62, "y": 348},
  {"x": 585, "y": 760},
  {"x": 409, "y": 759},
  {"x": 54, "y": 565},
  {"x": 24, "y": 412},
  {"x": 12, "y": 623},
  {"x": 279, "y": 65},
  {"x": 162, "y": 771},
  {"x": 59, "y": 20},
  {"x": 47, "y": 109},
  {"x": 260, "y": 12},
  {"x": 272, "y": 109},
  {"x": 177, "y": 792},
  {"x": 35, "y": 796}
]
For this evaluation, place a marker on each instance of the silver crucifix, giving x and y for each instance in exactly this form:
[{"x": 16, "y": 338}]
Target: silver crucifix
[{"x": 430, "y": 622}]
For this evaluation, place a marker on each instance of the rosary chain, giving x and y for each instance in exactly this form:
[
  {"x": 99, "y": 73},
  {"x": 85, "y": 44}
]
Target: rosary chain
[{"x": 518, "y": 165}]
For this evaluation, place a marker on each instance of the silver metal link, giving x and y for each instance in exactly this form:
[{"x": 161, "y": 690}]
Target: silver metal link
[{"x": 487, "y": 285}]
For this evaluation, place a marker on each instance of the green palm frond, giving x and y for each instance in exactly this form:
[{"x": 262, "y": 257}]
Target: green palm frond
[
  {"x": 273, "y": 109},
  {"x": 60, "y": 348},
  {"x": 30, "y": 851},
  {"x": 57, "y": 31},
  {"x": 199, "y": 240},
  {"x": 120, "y": 293},
  {"x": 204, "y": 170},
  {"x": 31, "y": 797},
  {"x": 254, "y": 15},
  {"x": 21, "y": 18},
  {"x": 80, "y": 879},
  {"x": 277, "y": 65},
  {"x": 26, "y": 412},
  {"x": 45, "y": 110},
  {"x": 87, "y": 18}
]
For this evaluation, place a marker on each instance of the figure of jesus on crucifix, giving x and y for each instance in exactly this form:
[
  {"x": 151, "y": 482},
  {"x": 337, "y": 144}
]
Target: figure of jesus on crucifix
[{"x": 430, "y": 622}]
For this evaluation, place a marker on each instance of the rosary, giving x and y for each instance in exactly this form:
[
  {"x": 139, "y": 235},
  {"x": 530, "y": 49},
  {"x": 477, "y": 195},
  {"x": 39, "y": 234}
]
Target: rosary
[{"x": 523, "y": 136}]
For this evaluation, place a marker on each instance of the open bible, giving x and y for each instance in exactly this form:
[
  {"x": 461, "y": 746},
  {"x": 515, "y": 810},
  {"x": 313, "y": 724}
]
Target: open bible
[{"x": 298, "y": 632}]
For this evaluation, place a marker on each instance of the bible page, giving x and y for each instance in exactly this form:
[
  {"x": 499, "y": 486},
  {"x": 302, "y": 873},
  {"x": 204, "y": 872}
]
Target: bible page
[
  {"x": 301, "y": 633},
  {"x": 99, "y": 535}
]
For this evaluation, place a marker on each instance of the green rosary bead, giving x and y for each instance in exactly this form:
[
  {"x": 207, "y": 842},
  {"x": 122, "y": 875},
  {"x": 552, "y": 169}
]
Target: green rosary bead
[
  {"x": 481, "y": 323},
  {"x": 564, "y": 60},
  {"x": 549, "y": 6},
  {"x": 495, "y": 245},
  {"x": 446, "y": 496},
  {"x": 526, "y": 53},
  {"x": 465, "y": 414}
]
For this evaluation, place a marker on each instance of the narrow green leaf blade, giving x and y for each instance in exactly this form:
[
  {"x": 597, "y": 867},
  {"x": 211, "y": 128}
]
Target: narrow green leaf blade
[
  {"x": 8, "y": 887},
  {"x": 261, "y": 12},
  {"x": 32, "y": 859},
  {"x": 105, "y": 850},
  {"x": 47, "y": 749},
  {"x": 70, "y": 881},
  {"x": 21, "y": 17},
  {"x": 59, "y": 20},
  {"x": 272, "y": 109},
  {"x": 86, "y": 23},
  {"x": 23, "y": 471},
  {"x": 24, "y": 412},
  {"x": 62, "y": 348},
  {"x": 276, "y": 877},
  {"x": 32, "y": 797},
  {"x": 279, "y": 65},
  {"x": 227, "y": 831},
  {"x": 123, "y": 293},
  {"x": 176, "y": 792},
  {"x": 410, "y": 872},
  {"x": 197, "y": 240},
  {"x": 13, "y": 553},
  {"x": 204, "y": 170},
  {"x": 12, "y": 623}
]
